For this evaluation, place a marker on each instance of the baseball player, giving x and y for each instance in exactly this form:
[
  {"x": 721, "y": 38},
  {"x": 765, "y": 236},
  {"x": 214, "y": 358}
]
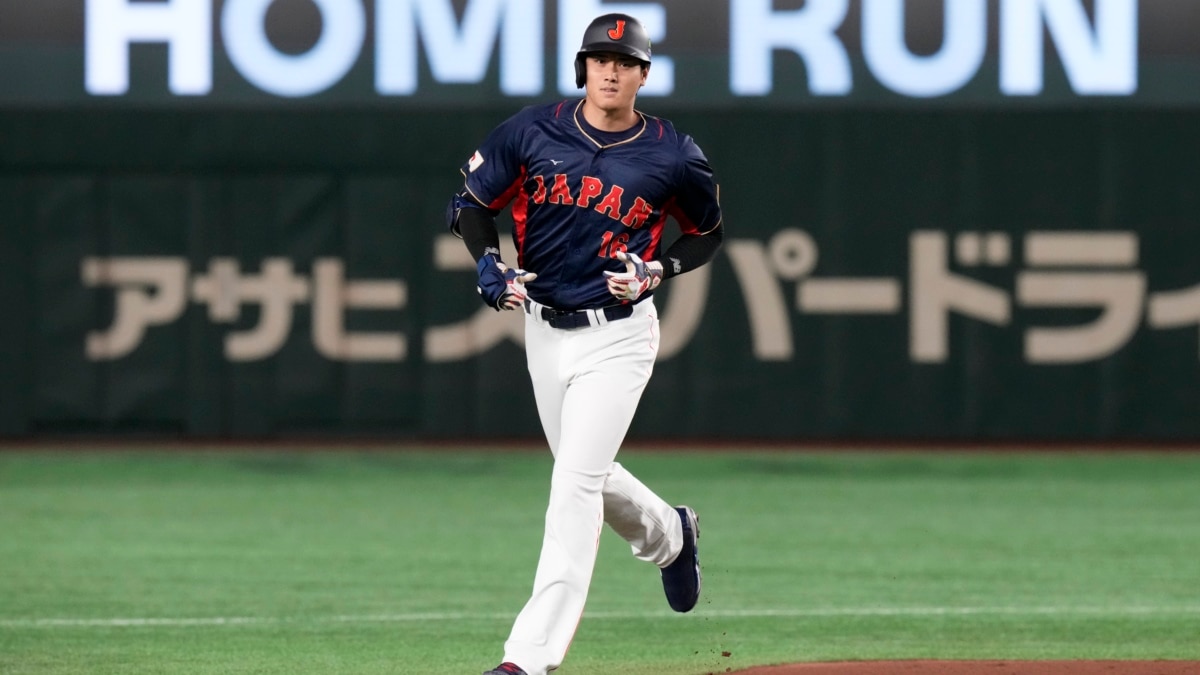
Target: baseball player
[{"x": 591, "y": 184}]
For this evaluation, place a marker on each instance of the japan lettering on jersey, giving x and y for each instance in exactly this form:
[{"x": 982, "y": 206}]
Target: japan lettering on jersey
[{"x": 577, "y": 201}]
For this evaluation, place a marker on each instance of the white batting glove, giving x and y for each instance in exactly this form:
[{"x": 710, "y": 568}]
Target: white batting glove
[
  {"x": 514, "y": 296},
  {"x": 637, "y": 278}
]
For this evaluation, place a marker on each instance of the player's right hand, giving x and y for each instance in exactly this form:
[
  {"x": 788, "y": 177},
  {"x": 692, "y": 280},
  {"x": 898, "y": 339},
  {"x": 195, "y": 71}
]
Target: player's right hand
[{"x": 501, "y": 287}]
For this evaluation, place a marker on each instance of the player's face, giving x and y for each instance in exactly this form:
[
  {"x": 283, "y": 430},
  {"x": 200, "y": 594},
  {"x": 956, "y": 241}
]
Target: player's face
[{"x": 613, "y": 80}]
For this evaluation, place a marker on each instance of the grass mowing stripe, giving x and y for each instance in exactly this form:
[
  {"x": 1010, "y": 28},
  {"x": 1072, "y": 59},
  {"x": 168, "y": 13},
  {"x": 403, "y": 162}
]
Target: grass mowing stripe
[{"x": 601, "y": 616}]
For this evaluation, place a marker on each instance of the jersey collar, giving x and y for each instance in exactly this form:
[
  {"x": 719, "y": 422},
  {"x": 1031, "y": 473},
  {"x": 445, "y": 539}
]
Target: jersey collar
[{"x": 607, "y": 139}]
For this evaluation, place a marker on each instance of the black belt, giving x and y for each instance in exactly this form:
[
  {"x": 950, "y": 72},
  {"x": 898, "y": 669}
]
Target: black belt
[{"x": 568, "y": 319}]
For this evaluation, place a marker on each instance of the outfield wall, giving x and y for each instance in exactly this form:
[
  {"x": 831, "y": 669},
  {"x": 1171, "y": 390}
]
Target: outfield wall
[{"x": 889, "y": 274}]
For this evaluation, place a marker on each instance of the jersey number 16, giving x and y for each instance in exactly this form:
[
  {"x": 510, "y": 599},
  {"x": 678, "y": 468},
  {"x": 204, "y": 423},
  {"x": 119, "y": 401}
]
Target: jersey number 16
[{"x": 612, "y": 244}]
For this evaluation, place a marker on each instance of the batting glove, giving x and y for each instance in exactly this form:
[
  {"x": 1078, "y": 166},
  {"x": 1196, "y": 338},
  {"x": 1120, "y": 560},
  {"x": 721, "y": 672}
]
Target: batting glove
[
  {"x": 637, "y": 278},
  {"x": 501, "y": 286}
]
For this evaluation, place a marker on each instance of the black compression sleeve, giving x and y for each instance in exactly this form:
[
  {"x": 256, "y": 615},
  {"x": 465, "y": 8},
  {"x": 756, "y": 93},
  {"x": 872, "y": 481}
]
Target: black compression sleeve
[
  {"x": 691, "y": 251},
  {"x": 478, "y": 230}
]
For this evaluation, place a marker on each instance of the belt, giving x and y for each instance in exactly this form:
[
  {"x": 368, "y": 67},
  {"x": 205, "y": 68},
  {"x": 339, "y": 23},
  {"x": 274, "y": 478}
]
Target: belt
[{"x": 568, "y": 319}]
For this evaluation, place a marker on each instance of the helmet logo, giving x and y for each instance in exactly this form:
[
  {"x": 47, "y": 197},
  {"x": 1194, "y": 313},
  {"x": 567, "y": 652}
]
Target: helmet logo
[{"x": 616, "y": 33}]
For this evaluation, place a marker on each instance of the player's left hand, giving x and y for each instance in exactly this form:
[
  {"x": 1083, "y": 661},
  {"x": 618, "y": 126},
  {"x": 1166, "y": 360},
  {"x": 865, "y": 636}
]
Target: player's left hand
[
  {"x": 502, "y": 287},
  {"x": 637, "y": 278}
]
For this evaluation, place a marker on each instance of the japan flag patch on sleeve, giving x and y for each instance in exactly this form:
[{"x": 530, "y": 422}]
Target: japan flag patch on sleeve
[{"x": 475, "y": 162}]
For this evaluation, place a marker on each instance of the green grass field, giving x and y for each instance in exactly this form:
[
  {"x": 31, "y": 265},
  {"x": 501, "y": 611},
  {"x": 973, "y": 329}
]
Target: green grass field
[{"x": 367, "y": 562}]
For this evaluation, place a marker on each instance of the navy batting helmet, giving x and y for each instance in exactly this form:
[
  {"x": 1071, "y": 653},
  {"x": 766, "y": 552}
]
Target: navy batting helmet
[{"x": 616, "y": 33}]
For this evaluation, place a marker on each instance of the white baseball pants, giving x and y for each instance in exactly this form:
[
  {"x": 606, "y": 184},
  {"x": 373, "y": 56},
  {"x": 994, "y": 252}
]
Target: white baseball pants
[{"x": 587, "y": 383}]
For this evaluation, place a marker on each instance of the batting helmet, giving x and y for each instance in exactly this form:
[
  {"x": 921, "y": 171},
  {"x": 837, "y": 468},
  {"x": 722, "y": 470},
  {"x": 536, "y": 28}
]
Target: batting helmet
[{"x": 616, "y": 33}]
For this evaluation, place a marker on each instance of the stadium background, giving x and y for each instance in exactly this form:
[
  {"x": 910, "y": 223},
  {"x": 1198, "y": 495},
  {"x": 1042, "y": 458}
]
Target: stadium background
[{"x": 976, "y": 265}]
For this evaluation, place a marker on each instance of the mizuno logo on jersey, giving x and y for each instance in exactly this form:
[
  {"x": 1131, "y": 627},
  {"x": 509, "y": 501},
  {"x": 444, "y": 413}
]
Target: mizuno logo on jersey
[{"x": 589, "y": 196}]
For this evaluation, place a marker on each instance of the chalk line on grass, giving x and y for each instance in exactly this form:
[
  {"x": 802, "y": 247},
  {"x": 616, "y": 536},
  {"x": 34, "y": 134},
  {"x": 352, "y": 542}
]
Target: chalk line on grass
[{"x": 176, "y": 622}]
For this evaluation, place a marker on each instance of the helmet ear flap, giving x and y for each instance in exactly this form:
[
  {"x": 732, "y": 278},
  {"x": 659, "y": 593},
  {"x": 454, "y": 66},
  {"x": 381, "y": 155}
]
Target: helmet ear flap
[{"x": 580, "y": 71}]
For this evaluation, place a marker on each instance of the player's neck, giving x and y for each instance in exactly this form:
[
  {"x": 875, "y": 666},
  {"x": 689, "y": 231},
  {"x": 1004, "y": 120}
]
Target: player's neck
[{"x": 609, "y": 119}]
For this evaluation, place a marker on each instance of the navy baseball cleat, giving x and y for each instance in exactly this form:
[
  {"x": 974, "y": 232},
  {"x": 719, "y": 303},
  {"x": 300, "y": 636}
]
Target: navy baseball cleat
[
  {"x": 506, "y": 668},
  {"x": 681, "y": 579}
]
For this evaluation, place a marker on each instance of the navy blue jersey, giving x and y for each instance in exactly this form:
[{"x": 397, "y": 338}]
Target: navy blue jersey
[{"x": 579, "y": 196}]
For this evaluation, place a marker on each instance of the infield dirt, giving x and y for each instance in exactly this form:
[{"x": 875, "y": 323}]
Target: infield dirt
[{"x": 914, "y": 667}]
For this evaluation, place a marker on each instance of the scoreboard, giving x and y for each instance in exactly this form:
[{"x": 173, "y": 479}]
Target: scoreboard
[{"x": 721, "y": 53}]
